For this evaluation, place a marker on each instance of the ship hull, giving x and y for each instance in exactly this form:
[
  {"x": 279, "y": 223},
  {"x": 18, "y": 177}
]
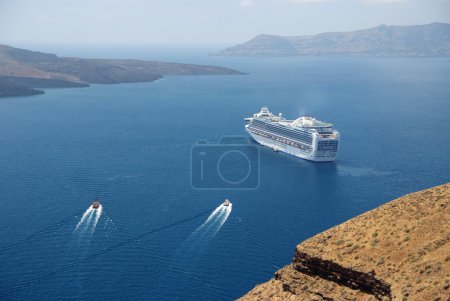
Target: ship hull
[{"x": 279, "y": 146}]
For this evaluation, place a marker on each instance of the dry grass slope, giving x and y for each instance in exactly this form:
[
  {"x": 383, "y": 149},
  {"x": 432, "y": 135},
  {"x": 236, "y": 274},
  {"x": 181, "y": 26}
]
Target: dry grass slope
[{"x": 398, "y": 251}]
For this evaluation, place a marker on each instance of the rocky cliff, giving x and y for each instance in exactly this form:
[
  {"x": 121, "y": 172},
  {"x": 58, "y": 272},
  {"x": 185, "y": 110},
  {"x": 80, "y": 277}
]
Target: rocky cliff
[
  {"x": 418, "y": 40},
  {"x": 399, "y": 251}
]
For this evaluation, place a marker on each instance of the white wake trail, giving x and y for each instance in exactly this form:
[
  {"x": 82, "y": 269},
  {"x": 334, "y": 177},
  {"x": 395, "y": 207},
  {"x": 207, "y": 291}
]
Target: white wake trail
[
  {"x": 213, "y": 214},
  {"x": 89, "y": 220},
  {"x": 224, "y": 217},
  {"x": 86, "y": 214},
  {"x": 194, "y": 245},
  {"x": 87, "y": 223},
  {"x": 211, "y": 218},
  {"x": 217, "y": 223},
  {"x": 98, "y": 214},
  {"x": 192, "y": 248},
  {"x": 214, "y": 222}
]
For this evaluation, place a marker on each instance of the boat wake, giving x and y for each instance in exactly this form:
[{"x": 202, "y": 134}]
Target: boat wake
[
  {"x": 97, "y": 217},
  {"x": 193, "y": 247},
  {"x": 76, "y": 253},
  {"x": 213, "y": 223},
  {"x": 188, "y": 254},
  {"x": 89, "y": 220},
  {"x": 86, "y": 214}
]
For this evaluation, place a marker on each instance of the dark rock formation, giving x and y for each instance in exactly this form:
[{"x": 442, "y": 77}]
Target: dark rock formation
[{"x": 329, "y": 270}]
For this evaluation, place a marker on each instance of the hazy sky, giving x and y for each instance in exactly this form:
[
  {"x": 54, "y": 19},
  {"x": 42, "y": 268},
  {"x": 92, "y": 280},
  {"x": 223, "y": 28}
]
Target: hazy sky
[{"x": 199, "y": 21}]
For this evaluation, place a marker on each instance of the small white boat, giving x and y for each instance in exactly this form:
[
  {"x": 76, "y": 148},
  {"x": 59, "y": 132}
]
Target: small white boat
[{"x": 226, "y": 203}]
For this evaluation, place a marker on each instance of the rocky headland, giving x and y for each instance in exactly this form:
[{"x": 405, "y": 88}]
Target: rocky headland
[
  {"x": 398, "y": 251},
  {"x": 24, "y": 72}
]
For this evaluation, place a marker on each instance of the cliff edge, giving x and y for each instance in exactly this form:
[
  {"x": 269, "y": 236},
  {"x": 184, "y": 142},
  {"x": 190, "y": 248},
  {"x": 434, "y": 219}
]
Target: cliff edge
[{"x": 398, "y": 251}]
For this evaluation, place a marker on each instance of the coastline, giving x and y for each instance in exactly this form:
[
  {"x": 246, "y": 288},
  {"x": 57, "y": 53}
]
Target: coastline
[{"x": 24, "y": 72}]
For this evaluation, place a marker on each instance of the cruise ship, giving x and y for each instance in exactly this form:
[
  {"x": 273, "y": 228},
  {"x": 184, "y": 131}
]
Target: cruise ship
[{"x": 304, "y": 137}]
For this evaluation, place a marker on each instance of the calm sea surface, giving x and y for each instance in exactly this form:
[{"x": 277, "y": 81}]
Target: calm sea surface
[{"x": 130, "y": 145}]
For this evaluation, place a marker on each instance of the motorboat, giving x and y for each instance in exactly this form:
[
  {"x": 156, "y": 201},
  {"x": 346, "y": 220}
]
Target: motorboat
[{"x": 96, "y": 204}]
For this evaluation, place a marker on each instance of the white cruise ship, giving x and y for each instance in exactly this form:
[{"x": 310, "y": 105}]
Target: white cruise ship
[{"x": 304, "y": 137}]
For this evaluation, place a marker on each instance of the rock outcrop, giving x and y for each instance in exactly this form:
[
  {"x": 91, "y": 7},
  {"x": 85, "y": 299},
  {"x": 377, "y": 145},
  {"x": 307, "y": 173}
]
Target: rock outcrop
[{"x": 399, "y": 251}]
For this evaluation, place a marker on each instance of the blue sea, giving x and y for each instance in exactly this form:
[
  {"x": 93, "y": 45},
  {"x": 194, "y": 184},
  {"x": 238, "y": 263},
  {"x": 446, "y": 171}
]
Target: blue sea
[{"x": 159, "y": 236}]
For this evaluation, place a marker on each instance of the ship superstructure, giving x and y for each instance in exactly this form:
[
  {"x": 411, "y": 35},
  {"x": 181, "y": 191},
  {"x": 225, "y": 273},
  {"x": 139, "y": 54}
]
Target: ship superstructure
[{"x": 304, "y": 137}]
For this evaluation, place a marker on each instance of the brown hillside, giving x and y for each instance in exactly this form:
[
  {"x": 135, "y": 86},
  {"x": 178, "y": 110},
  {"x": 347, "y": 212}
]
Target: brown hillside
[{"x": 399, "y": 251}]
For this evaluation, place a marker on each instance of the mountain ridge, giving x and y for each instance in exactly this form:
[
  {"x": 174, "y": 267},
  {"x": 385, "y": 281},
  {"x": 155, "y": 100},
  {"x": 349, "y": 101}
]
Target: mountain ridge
[{"x": 384, "y": 40}]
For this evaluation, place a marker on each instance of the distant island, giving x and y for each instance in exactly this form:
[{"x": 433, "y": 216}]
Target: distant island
[
  {"x": 418, "y": 40},
  {"x": 24, "y": 72},
  {"x": 398, "y": 251}
]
